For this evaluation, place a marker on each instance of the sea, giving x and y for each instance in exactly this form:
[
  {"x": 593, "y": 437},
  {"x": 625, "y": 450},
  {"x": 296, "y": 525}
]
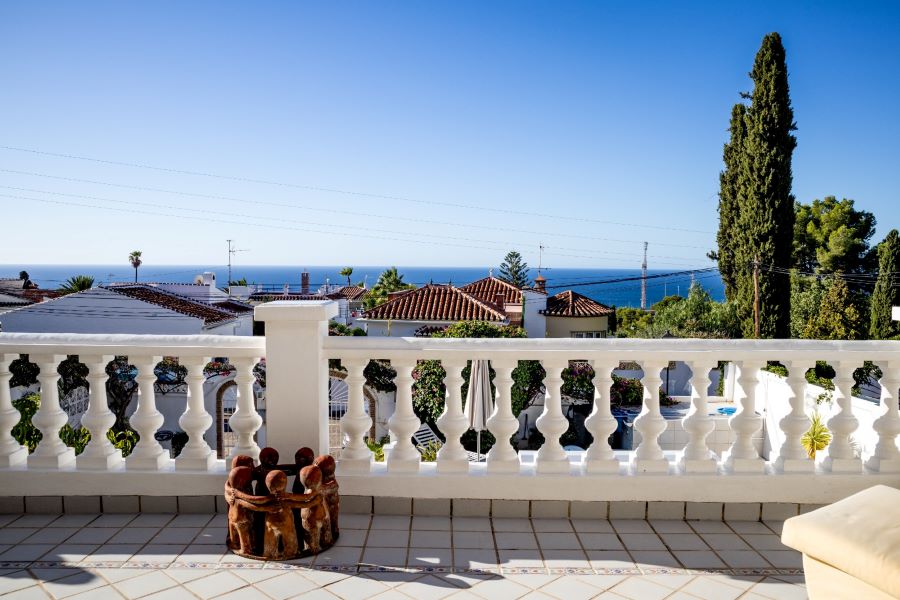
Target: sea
[{"x": 613, "y": 287}]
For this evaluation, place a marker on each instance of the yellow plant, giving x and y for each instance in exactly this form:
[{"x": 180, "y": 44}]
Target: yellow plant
[{"x": 817, "y": 437}]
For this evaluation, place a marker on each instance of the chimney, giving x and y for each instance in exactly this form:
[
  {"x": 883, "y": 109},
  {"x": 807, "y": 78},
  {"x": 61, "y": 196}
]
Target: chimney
[
  {"x": 286, "y": 289},
  {"x": 540, "y": 283},
  {"x": 304, "y": 282},
  {"x": 500, "y": 301},
  {"x": 208, "y": 278}
]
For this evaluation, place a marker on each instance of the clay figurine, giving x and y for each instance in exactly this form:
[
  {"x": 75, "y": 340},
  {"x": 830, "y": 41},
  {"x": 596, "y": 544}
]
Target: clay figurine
[{"x": 330, "y": 493}]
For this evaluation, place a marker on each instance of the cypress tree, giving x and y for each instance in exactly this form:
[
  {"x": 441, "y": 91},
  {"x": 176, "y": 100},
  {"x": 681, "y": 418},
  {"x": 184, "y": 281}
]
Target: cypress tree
[
  {"x": 887, "y": 289},
  {"x": 727, "y": 236},
  {"x": 766, "y": 215}
]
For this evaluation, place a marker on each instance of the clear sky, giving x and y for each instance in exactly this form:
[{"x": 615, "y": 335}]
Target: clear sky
[{"x": 462, "y": 129}]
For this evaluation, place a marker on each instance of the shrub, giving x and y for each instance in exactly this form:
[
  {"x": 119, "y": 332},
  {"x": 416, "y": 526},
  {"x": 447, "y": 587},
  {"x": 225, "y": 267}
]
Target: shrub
[{"x": 817, "y": 437}]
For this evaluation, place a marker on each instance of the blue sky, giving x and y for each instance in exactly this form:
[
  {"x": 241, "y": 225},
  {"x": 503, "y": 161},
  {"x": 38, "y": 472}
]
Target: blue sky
[{"x": 585, "y": 127}]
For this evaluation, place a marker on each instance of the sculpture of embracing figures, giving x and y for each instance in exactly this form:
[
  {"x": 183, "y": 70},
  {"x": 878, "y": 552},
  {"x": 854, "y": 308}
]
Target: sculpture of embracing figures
[{"x": 269, "y": 522}]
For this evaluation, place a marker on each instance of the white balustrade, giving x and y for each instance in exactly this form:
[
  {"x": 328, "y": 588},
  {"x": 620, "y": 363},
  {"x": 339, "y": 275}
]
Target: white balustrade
[
  {"x": 886, "y": 457},
  {"x": 99, "y": 454},
  {"x": 404, "y": 457},
  {"x": 502, "y": 424},
  {"x": 245, "y": 421},
  {"x": 551, "y": 458},
  {"x": 452, "y": 457},
  {"x": 355, "y": 456},
  {"x": 148, "y": 454},
  {"x": 11, "y": 452},
  {"x": 792, "y": 457},
  {"x": 601, "y": 424},
  {"x": 51, "y": 452},
  {"x": 840, "y": 457},
  {"x": 743, "y": 457},
  {"x": 697, "y": 457},
  {"x": 649, "y": 457},
  {"x": 196, "y": 454}
]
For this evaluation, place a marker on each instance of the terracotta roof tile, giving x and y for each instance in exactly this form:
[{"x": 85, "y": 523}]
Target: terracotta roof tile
[
  {"x": 209, "y": 314},
  {"x": 350, "y": 292},
  {"x": 487, "y": 289},
  {"x": 436, "y": 303},
  {"x": 270, "y": 296},
  {"x": 573, "y": 304},
  {"x": 235, "y": 306}
]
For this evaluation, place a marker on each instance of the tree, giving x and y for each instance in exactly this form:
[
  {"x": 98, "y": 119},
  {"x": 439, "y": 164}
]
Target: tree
[
  {"x": 697, "y": 316},
  {"x": 346, "y": 272},
  {"x": 806, "y": 299},
  {"x": 236, "y": 282},
  {"x": 389, "y": 281},
  {"x": 76, "y": 283},
  {"x": 765, "y": 223},
  {"x": 831, "y": 236},
  {"x": 729, "y": 206},
  {"x": 135, "y": 259},
  {"x": 887, "y": 289},
  {"x": 514, "y": 270},
  {"x": 632, "y": 322},
  {"x": 839, "y": 317}
]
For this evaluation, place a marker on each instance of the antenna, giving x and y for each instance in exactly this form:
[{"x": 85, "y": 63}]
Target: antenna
[
  {"x": 540, "y": 258},
  {"x": 644, "y": 280},
  {"x": 231, "y": 252}
]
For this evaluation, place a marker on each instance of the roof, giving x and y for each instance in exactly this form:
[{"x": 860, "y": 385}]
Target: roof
[
  {"x": 13, "y": 300},
  {"x": 270, "y": 296},
  {"x": 436, "y": 303},
  {"x": 487, "y": 289},
  {"x": 200, "y": 292},
  {"x": 208, "y": 314},
  {"x": 573, "y": 304},
  {"x": 235, "y": 306},
  {"x": 350, "y": 292}
]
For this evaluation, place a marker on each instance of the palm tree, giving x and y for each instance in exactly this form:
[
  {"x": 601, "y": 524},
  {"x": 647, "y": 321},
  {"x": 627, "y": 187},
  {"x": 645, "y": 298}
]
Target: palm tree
[
  {"x": 76, "y": 283},
  {"x": 389, "y": 281},
  {"x": 346, "y": 272},
  {"x": 135, "y": 259}
]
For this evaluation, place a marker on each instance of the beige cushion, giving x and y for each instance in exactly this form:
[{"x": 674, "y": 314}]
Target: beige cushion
[{"x": 859, "y": 535}]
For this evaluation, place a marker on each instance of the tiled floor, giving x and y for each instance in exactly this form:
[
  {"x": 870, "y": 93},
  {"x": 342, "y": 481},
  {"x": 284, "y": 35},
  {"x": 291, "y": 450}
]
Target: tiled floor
[{"x": 183, "y": 556}]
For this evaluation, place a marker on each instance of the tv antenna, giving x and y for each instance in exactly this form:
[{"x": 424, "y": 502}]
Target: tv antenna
[
  {"x": 231, "y": 252},
  {"x": 644, "y": 280}
]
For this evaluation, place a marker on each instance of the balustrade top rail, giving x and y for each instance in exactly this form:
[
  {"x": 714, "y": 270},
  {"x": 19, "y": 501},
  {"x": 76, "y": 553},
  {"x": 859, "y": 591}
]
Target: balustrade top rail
[{"x": 124, "y": 344}]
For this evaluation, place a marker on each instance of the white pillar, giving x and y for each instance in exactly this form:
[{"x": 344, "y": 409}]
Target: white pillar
[
  {"x": 245, "y": 421},
  {"x": 600, "y": 457},
  {"x": 839, "y": 454},
  {"x": 356, "y": 457},
  {"x": 148, "y": 454},
  {"x": 196, "y": 454},
  {"x": 743, "y": 457},
  {"x": 551, "y": 458},
  {"x": 99, "y": 454},
  {"x": 697, "y": 457},
  {"x": 452, "y": 457},
  {"x": 11, "y": 451},
  {"x": 404, "y": 458},
  {"x": 792, "y": 457},
  {"x": 886, "y": 457},
  {"x": 50, "y": 453},
  {"x": 649, "y": 457},
  {"x": 502, "y": 458},
  {"x": 296, "y": 374}
]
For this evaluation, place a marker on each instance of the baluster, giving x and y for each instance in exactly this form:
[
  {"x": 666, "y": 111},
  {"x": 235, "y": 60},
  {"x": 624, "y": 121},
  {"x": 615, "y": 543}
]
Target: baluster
[
  {"x": 649, "y": 457},
  {"x": 743, "y": 457},
  {"x": 697, "y": 457},
  {"x": 356, "y": 456},
  {"x": 792, "y": 457},
  {"x": 600, "y": 457},
  {"x": 886, "y": 458},
  {"x": 502, "y": 458},
  {"x": 404, "y": 458},
  {"x": 50, "y": 453},
  {"x": 551, "y": 458},
  {"x": 245, "y": 421},
  {"x": 11, "y": 451},
  {"x": 148, "y": 454},
  {"x": 196, "y": 454},
  {"x": 99, "y": 454},
  {"x": 452, "y": 457},
  {"x": 839, "y": 454}
]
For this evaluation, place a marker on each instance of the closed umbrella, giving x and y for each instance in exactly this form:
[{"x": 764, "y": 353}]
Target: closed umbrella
[{"x": 479, "y": 403}]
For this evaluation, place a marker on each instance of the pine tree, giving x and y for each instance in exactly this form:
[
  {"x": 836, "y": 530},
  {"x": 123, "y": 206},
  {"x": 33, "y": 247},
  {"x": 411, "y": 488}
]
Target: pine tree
[
  {"x": 514, "y": 270},
  {"x": 887, "y": 289},
  {"x": 766, "y": 215},
  {"x": 728, "y": 236}
]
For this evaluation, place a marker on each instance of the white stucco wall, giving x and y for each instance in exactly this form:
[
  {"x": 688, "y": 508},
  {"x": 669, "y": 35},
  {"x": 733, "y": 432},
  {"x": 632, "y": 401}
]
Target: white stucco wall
[
  {"x": 397, "y": 328},
  {"x": 535, "y": 322},
  {"x": 562, "y": 327}
]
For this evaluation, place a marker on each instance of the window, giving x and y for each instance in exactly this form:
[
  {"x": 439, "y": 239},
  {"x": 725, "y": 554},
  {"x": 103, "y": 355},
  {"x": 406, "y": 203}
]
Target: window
[{"x": 588, "y": 334}]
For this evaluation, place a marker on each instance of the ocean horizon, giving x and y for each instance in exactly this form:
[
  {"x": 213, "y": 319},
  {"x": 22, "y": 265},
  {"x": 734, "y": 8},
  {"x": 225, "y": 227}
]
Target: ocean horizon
[{"x": 594, "y": 283}]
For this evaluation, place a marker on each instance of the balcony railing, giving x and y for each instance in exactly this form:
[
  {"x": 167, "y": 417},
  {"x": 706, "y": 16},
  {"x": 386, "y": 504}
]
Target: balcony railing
[{"x": 297, "y": 349}]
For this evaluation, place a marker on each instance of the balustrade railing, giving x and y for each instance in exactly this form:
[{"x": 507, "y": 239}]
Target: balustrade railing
[{"x": 297, "y": 350}]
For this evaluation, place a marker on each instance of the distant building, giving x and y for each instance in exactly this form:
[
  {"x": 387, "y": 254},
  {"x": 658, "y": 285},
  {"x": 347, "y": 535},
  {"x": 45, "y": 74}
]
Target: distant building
[{"x": 569, "y": 314}]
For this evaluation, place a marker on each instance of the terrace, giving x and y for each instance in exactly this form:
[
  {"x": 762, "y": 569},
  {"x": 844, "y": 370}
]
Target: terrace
[{"x": 647, "y": 523}]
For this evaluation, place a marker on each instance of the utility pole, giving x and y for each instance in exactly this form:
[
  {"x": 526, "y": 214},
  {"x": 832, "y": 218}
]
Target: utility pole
[
  {"x": 756, "y": 297},
  {"x": 644, "y": 280}
]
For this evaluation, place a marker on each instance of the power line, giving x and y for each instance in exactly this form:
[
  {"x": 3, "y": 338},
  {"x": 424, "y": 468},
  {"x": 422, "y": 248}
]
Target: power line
[
  {"x": 639, "y": 278},
  {"x": 341, "y": 191}
]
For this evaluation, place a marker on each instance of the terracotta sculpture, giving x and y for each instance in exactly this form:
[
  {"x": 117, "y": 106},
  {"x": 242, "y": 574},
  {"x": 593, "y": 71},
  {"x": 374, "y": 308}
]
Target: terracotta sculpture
[{"x": 272, "y": 523}]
